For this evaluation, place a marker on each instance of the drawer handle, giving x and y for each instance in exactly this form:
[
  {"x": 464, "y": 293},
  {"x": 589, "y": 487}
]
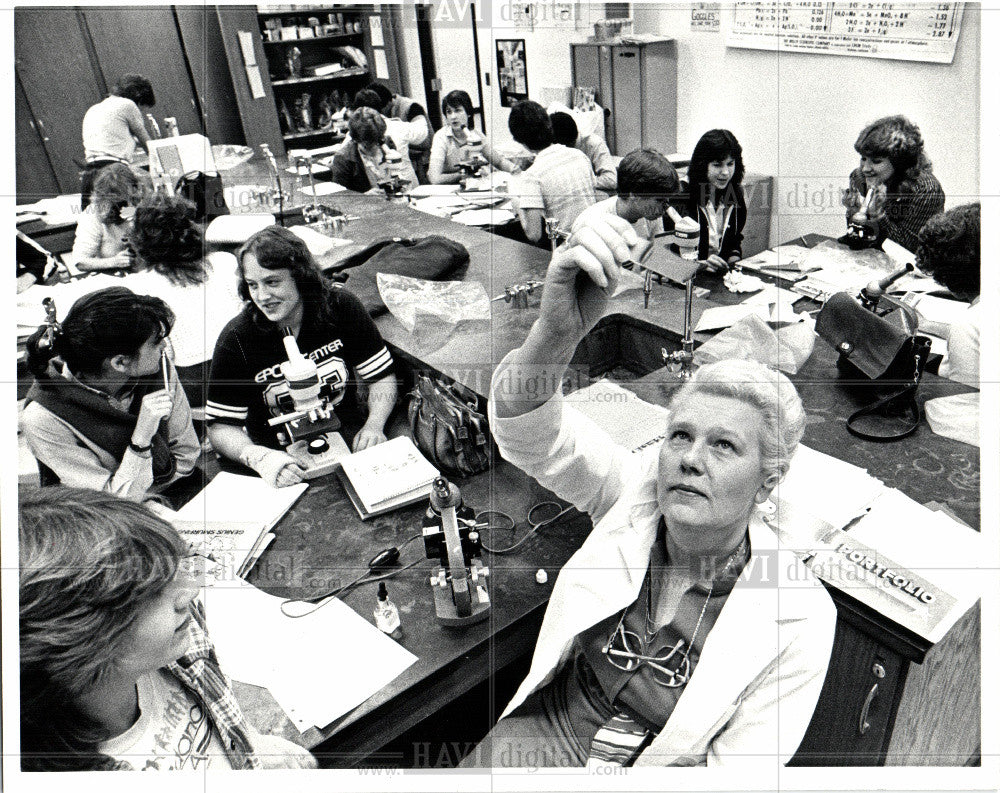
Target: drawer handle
[{"x": 863, "y": 725}]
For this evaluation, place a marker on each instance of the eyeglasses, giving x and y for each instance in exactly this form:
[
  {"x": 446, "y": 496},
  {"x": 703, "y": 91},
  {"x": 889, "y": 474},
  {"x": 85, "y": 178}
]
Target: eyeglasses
[{"x": 624, "y": 651}]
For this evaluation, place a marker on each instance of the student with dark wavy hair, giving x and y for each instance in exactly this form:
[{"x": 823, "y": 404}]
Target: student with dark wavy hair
[
  {"x": 98, "y": 415},
  {"x": 713, "y": 196},
  {"x": 101, "y": 241},
  {"x": 117, "y": 670},
  {"x": 284, "y": 289},
  {"x": 112, "y": 127},
  {"x": 894, "y": 163},
  {"x": 200, "y": 288},
  {"x": 948, "y": 251}
]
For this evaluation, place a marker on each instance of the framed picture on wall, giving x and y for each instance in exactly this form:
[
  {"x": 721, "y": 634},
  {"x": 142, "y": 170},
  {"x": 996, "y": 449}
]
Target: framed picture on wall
[{"x": 512, "y": 71}]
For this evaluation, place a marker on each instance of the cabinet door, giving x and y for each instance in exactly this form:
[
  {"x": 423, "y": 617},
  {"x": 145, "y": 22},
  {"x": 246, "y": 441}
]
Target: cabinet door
[
  {"x": 55, "y": 70},
  {"x": 854, "y": 717},
  {"x": 151, "y": 48},
  {"x": 757, "y": 231},
  {"x": 628, "y": 107},
  {"x": 34, "y": 175},
  {"x": 202, "y": 42}
]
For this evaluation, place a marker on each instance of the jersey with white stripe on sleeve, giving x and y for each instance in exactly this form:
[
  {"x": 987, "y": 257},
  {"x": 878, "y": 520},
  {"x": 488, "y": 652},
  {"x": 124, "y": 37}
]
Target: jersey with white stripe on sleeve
[{"x": 246, "y": 387}]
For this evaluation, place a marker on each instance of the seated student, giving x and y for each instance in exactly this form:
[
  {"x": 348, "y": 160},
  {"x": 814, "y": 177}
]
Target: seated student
[
  {"x": 112, "y": 127},
  {"x": 457, "y": 142},
  {"x": 559, "y": 184},
  {"x": 117, "y": 670},
  {"x": 98, "y": 415},
  {"x": 661, "y": 644},
  {"x": 646, "y": 182},
  {"x": 284, "y": 288},
  {"x": 200, "y": 288},
  {"x": 369, "y": 158},
  {"x": 564, "y": 131},
  {"x": 406, "y": 109},
  {"x": 403, "y": 134},
  {"x": 101, "y": 241},
  {"x": 894, "y": 163},
  {"x": 948, "y": 251},
  {"x": 713, "y": 196}
]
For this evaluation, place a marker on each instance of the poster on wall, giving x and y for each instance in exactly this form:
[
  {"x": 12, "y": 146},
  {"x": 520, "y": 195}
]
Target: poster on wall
[
  {"x": 512, "y": 71},
  {"x": 904, "y": 31}
]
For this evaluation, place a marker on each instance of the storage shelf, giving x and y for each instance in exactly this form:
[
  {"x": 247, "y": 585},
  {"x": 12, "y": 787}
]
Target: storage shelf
[
  {"x": 356, "y": 71},
  {"x": 337, "y": 37}
]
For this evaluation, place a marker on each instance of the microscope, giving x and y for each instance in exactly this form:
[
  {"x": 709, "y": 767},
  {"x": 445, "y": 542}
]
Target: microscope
[
  {"x": 861, "y": 232},
  {"x": 393, "y": 185},
  {"x": 316, "y": 215},
  {"x": 870, "y": 295},
  {"x": 311, "y": 426},
  {"x": 451, "y": 536}
]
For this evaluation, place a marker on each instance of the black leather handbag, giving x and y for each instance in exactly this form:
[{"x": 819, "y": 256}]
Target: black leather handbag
[
  {"x": 205, "y": 191},
  {"x": 882, "y": 359},
  {"x": 448, "y": 428}
]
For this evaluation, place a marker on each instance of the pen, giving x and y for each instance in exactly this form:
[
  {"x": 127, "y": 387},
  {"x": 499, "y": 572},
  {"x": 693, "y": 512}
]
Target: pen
[{"x": 804, "y": 243}]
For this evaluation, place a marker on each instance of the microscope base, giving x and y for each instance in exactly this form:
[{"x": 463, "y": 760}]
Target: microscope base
[
  {"x": 316, "y": 465},
  {"x": 445, "y": 608}
]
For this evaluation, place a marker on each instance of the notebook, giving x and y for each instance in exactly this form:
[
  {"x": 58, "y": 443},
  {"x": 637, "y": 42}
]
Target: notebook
[
  {"x": 231, "y": 519},
  {"x": 382, "y": 478}
]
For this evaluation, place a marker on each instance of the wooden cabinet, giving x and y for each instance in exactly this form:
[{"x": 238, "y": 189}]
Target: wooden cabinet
[
  {"x": 637, "y": 84},
  {"x": 52, "y": 61}
]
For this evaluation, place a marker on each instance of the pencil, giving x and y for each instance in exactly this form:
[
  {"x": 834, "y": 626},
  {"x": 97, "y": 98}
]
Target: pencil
[{"x": 163, "y": 365}]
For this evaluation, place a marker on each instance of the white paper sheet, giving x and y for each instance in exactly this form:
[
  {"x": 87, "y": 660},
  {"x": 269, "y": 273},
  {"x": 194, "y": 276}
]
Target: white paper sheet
[
  {"x": 317, "y": 667},
  {"x": 323, "y": 188},
  {"x": 484, "y": 217}
]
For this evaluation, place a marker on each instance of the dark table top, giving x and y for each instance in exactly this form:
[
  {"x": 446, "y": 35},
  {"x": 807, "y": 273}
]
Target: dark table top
[{"x": 322, "y": 541}]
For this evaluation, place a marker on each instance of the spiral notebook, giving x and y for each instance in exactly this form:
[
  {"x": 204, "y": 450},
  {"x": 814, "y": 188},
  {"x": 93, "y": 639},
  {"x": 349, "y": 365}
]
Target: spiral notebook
[{"x": 382, "y": 478}]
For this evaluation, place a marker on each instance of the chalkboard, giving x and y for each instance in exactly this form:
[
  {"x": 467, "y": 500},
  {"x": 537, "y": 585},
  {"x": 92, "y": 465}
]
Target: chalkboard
[{"x": 899, "y": 31}]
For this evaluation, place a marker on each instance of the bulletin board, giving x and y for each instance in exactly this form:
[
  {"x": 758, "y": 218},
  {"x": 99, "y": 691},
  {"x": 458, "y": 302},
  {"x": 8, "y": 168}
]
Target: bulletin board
[{"x": 906, "y": 31}]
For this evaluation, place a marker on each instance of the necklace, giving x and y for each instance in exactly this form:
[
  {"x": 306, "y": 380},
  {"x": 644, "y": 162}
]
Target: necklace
[{"x": 628, "y": 658}]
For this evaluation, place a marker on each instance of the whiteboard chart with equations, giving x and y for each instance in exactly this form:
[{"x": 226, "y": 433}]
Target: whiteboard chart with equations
[{"x": 913, "y": 31}]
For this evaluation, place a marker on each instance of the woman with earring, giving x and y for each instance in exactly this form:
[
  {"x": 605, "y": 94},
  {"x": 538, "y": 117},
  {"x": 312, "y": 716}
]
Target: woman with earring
[
  {"x": 680, "y": 633},
  {"x": 101, "y": 241},
  {"x": 117, "y": 669},
  {"x": 106, "y": 410}
]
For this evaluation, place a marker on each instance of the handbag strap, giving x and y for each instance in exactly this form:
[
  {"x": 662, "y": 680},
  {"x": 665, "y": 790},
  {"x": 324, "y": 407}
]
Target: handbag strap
[{"x": 907, "y": 399}]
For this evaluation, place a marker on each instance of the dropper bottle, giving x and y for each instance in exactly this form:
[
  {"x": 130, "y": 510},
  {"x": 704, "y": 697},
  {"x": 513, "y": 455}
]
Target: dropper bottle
[{"x": 386, "y": 614}]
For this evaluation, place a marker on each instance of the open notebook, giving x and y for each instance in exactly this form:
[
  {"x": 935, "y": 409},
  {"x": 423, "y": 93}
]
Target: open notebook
[{"x": 382, "y": 478}]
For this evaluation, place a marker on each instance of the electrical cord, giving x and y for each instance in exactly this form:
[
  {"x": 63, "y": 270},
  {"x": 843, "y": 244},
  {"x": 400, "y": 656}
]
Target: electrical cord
[
  {"x": 535, "y": 526},
  {"x": 378, "y": 564}
]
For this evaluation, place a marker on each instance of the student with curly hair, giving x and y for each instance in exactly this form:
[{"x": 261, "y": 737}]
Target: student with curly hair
[
  {"x": 98, "y": 414},
  {"x": 369, "y": 157},
  {"x": 200, "y": 288},
  {"x": 117, "y": 670},
  {"x": 101, "y": 241},
  {"x": 285, "y": 290},
  {"x": 948, "y": 251},
  {"x": 894, "y": 164}
]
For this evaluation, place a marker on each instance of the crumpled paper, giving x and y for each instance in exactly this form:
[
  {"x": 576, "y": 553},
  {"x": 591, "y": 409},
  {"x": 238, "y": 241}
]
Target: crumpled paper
[
  {"x": 448, "y": 302},
  {"x": 786, "y": 348}
]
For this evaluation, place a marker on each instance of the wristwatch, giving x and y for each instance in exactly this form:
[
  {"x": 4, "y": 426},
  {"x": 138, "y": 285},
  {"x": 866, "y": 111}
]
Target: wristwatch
[{"x": 141, "y": 450}]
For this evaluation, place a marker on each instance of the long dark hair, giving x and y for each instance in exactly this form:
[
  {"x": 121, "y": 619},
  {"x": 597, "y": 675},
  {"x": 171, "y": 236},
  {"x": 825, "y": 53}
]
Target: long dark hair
[
  {"x": 166, "y": 238},
  {"x": 714, "y": 145},
  {"x": 277, "y": 248},
  {"x": 101, "y": 325},
  {"x": 898, "y": 139},
  {"x": 89, "y": 562}
]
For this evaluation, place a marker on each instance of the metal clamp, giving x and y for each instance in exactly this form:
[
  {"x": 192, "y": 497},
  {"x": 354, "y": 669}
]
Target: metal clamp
[
  {"x": 517, "y": 294},
  {"x": 863, "y": 724}
]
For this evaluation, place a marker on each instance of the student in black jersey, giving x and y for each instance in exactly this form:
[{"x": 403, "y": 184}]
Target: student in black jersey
[{"x": 284, "y": 288}]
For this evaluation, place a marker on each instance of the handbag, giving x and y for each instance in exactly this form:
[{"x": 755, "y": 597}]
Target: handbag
[
  {"x": 448, "y": 428},
  {"x": 204, "y": 190},
  {"x": 882, "y": 358}
]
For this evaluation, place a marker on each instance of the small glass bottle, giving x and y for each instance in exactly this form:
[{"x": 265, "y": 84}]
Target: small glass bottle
[{"x": 387, "y": 615}]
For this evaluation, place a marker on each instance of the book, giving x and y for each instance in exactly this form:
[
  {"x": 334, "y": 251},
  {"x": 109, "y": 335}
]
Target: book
[
  {"x": 232, "y": 518},
  {"x": 382, "y": 478}
]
